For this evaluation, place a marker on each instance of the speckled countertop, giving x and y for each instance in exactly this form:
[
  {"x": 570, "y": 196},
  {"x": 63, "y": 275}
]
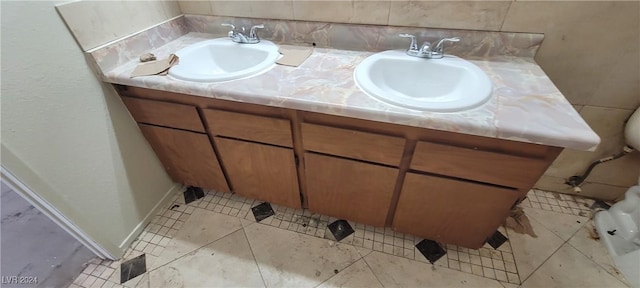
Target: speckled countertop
[{"x": 525, "y": 105}]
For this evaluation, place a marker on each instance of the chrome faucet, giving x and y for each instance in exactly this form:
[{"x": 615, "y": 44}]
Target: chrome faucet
[
  {"x": 426, "y": 50},
  {"x": 239, "y": 37}
]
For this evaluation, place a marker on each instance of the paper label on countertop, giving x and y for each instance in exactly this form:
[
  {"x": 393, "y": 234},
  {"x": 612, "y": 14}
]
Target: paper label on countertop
[
  {"x": 294, "y": 55},
  {"x": 158, "y": 67}
]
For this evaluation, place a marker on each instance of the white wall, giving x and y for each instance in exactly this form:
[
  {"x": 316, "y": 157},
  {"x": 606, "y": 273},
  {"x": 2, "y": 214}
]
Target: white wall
[{"x": 73, "y": 140}]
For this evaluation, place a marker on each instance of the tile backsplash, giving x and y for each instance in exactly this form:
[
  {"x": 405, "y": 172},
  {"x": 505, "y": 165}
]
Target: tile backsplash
[
  {"x": 472, "y": 15},
  {"x": 373, "y": 37}
]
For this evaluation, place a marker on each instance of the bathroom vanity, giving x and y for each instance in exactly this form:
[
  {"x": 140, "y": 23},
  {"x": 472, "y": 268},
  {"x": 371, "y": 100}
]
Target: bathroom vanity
[
  {"x": 445, "y": 186},
  {"x": 308, "y": 137}
]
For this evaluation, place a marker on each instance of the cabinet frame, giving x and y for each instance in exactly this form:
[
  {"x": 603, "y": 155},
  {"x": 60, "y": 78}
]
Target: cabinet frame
[{"x": 542, "y": 155}]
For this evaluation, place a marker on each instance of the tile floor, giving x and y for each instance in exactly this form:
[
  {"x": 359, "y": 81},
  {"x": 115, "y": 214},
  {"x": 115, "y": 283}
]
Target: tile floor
[{"x": 215, "y": 241}]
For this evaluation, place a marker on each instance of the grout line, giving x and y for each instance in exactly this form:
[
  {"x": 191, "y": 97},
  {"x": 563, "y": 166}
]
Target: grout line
[
  {"x": 541, "y": 264},
  {"x": 506, "y": 14},
  {"x": 254, "y": 256},
  {"x": 188, "y": 252},
  {"x": 565, "y": 242},
  {"x": 388, "y": 14},
  {"x": 588, "y": 257},
  {"x": 370, "y": 251},
  {"x": 345, "y": 268},
  {"x": 374, "y": 273}
]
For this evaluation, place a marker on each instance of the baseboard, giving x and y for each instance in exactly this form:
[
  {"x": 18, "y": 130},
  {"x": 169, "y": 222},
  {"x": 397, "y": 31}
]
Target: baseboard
[{"x": 147, "y": 218}]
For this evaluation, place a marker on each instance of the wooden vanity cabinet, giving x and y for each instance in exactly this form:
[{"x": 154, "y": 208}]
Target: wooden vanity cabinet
[
  {"x": 444, "y": 186},
  {"x": 257, "y": 154}
]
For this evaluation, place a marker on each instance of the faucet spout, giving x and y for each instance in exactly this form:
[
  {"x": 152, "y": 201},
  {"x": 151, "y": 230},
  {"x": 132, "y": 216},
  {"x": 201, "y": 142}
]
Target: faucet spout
[{"x": 240, "y": 37}]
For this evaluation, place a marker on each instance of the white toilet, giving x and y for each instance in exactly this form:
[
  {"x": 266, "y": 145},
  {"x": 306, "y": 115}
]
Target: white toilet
[{"x": 619, "y": 226}]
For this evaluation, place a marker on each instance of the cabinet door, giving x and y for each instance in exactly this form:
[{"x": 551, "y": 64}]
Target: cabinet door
[
  {"x": 451, "y": 211},
  {"x": 349, "y": 189},
  {"x": 260, "y": 171},
  {"x": 187, "y": 156}
]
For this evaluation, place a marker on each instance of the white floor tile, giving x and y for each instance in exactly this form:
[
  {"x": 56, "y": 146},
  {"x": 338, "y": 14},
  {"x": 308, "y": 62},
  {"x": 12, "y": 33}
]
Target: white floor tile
[
  {"x": 563, "y": 225},
  {"x": 393, "y": 271},
  {"x": 227, "y": 262},
  {"x": 509, "y": 285},
  {"x": 569, "y": 268},
  {"x": 289, "y": 259},
  {"x": 144, "y": 281},
  {"x": 356, "y": 275},
  {"x": 529, "y": 252},
  {"x": 202, "y": 228},
  {"x": 594, "y": 250}
]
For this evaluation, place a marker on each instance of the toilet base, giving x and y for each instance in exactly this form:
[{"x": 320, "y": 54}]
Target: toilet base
[{"x": 624, "y": 252}]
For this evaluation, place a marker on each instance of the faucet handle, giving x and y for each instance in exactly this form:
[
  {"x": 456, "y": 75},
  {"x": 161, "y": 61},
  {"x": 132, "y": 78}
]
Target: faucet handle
[
  {"x": 252, "y": 32},
  {"x": 414, "y": 43},
  {"x": 233, "y": 29},
  {"x": 439, "y": 48}
]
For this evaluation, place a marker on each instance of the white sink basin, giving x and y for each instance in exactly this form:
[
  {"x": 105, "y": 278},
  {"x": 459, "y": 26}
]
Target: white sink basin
[
  {"x": 222, "y": 59},
  {"x": 449, "y": 84}
]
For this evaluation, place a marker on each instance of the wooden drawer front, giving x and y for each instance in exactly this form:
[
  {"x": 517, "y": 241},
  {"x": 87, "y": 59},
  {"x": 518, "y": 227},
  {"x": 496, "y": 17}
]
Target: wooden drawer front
[
  {"x": 261, "y": 172},
  {"x": 187, "y": 156},
  {"x": 451, "y": 211},
  {"x": 164, "y": 114},
  {"x": 349, "y": 189},
  {"x": 249, "y": 127},
  {"x": 483, "y": 166},
  {"x": 353, "y": 144}
]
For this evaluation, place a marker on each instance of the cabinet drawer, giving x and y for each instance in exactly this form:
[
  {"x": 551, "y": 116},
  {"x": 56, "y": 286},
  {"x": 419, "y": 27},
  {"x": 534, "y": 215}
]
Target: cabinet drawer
[
  {"x": 353, "y": 144},
  {"x": 478, "y": 165},
  {"x": 164, "y": 114},
  {"x": 249, "y": 127}
]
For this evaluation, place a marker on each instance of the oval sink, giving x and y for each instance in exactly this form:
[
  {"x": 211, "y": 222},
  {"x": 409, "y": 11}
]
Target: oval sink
[
  {"x": 449, "y": 84},
  {"x": 222, "y": 59}
]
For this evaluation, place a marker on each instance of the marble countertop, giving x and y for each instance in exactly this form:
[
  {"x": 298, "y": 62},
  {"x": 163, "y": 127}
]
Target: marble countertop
[{"x": 525, "y": 105}]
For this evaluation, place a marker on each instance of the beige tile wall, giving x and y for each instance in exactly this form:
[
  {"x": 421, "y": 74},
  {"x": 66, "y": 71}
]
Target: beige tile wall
[
  {"x": 591, "y": 52},
  {"x": 94, "y": 23}
]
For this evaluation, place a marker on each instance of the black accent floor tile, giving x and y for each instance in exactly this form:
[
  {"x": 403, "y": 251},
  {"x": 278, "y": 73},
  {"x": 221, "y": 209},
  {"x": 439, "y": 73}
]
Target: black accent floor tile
[
  {"x": 599, "y": 204},
  {"x": 262, "y": 211},
  {"x": 497, "y": 239},
  {"x": 431, "y": 250},
  {"x": 340, "y": 229},
  {"x": 133, "y": 268},
  {"x": 198, "y": 191},
  {"x": 192, "y": 194}
]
